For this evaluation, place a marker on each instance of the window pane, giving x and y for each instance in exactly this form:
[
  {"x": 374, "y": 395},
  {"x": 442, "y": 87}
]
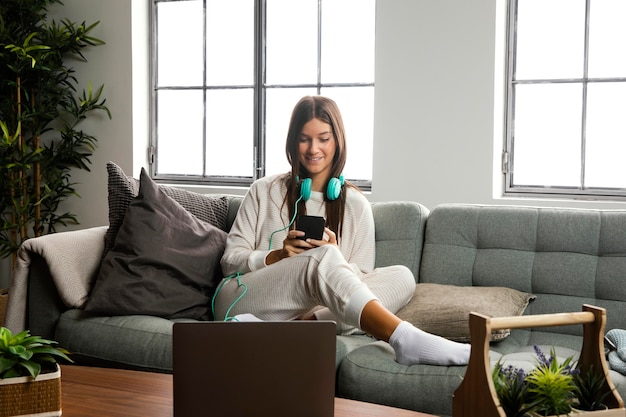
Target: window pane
[
  {"x": 291, "y": 42},
  {"x": 550, "y": 39},
  {"x": 547, "y": 135},
  {"x": 230, "y": 42},
  {"x": 279, "y": 104},
  {"x": 607, "y": 37},
  {"x": 179, "y": 132},
  {"x": 179, "y": 47},
  {"x": 348, "y": 28},
  {"x": 606, "y": 135},
  {"x": 357, "y": 109},
  {"x": 229, "y": 133}
]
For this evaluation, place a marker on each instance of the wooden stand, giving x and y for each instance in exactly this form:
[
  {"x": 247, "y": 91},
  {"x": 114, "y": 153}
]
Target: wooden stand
[{"x": 476, "y": 396}]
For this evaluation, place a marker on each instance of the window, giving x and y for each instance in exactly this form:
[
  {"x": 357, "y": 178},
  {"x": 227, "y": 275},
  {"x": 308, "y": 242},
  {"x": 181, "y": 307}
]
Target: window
[
  {"x": 566, "y": 130},
  {"x": 227, "y": 74}
]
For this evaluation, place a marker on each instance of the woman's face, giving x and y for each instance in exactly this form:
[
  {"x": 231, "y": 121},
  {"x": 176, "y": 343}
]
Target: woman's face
[{"x": 316, "y": 150}]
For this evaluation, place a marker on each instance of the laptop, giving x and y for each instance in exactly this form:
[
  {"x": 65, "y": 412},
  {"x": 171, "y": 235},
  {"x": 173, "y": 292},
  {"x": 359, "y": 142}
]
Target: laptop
[{"x": 254, "y": 369}]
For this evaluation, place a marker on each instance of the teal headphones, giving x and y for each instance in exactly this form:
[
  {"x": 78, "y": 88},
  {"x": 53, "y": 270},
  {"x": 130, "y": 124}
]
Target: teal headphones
[{"x": 333, "y": 190}]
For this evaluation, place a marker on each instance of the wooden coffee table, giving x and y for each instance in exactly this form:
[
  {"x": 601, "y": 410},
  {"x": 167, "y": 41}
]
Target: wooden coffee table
[{"x": 89, "y": 392}]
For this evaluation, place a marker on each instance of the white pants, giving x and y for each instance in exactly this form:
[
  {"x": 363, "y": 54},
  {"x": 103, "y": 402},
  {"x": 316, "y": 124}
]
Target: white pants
[{"x": 295, "y": 286}]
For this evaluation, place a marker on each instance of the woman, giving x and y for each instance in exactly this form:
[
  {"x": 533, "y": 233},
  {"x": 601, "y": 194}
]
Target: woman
[{"x": 332, "y": 278}]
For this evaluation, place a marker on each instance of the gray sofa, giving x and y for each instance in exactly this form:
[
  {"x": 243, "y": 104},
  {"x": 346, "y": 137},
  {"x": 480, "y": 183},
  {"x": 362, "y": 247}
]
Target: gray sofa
[{"x": 564, "y": 257}]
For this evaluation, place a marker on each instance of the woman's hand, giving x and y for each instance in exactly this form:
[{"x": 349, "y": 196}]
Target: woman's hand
[
  {"x": 294, "y": 244},
  {"x": 329, "y": 238}
]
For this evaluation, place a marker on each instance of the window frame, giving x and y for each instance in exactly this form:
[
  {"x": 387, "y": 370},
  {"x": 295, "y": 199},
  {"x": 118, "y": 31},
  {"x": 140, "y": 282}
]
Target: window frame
[
  {"x": 260, "y": 88},
  {"x": 507, "y": 158}
]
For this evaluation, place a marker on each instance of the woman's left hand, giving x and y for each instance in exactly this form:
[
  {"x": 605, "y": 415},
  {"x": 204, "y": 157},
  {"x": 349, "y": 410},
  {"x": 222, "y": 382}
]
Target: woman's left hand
[
  {"x": 293, "y": 245},
  {"x": 329, "y": 238}
]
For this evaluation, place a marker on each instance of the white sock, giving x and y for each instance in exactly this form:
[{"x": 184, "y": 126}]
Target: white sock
[
  {"x": 413, "y": 346},
  {"x": 246, "y": 317}
]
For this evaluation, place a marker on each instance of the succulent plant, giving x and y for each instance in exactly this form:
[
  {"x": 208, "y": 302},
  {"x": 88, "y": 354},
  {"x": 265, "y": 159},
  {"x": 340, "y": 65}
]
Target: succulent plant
[
  {"x": 591, "y": 389},
  {"x": 23, "y": 355}
]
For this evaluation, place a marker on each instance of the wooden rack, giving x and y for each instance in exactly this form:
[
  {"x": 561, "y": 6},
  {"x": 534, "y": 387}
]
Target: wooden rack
[{"x": 476, "y": 396}]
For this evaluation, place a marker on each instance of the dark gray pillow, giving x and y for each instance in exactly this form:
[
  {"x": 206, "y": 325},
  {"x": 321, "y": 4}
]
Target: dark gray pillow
[
  {"x": 165, "y": 261},
  {"x": 122, "y": 189}
]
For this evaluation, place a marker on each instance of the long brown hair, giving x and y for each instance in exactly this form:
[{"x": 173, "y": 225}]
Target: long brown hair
[{"x": 326, "y": 110}]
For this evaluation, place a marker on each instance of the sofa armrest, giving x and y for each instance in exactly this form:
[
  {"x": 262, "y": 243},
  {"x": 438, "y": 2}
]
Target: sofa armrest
[
  {"x": 71, "y": 261},
  {"x": 400, "y": 227}
]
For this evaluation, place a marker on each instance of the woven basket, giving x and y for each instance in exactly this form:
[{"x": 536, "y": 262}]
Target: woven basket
[{"x": 23, "y": 396}]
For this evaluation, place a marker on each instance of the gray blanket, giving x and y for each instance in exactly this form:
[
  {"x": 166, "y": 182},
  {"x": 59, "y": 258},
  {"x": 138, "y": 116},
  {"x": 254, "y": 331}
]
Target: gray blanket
[
  {"x": 73, "y": 259},
  {"x": 617, "y": 357}
]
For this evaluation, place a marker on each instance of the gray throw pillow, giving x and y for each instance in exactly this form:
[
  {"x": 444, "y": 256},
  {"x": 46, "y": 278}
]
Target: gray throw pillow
[
  {"x": 122, "y": 189},
  {"x": 444, "y": 309},
  {"x": 165, "y": 261}
]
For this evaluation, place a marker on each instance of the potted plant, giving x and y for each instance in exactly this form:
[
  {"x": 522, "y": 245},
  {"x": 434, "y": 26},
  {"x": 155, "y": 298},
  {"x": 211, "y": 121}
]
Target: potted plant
[
  {"x": 549, "y": 389},
  {"x": 41, "y": 111},
  {"x": 512, "y": 390},
  {"x": 30, "y": 378},
  {"x": 591, "y": 389},
  {"x": 551, "y": 385}
]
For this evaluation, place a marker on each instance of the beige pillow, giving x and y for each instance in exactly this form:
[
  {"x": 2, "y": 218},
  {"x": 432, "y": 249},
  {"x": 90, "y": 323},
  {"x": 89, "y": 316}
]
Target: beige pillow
[{"x": 444, "y": 309}]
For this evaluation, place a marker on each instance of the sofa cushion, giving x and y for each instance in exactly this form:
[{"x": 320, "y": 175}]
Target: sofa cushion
[
  {"x": 444, "y": 309},
  {"x": 123, "y": 189},
  {"x": 370, "y": 373},
  {"x": 137, "y": 342},
  {"x": 165, "y": 261}
]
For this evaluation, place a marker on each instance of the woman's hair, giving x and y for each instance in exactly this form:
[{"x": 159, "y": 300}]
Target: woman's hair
[{"x": 326, "y": 110}]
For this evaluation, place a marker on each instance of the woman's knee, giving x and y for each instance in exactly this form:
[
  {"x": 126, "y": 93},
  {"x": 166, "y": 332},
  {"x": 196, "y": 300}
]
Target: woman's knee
[
  {"x": 402, "y": 273},
  {"x": 327, "y": 253}
]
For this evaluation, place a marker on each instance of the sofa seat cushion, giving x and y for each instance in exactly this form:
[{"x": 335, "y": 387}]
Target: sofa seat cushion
[
  {"x": 370, "y": 373},
  {"x": 348, "y": 343},
  {"x": 134, "y": 341},
  {"x": 140, "y": 342}
]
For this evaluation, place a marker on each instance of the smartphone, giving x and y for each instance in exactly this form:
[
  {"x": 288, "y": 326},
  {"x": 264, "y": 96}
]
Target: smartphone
[{"x": 312, "y": 226}]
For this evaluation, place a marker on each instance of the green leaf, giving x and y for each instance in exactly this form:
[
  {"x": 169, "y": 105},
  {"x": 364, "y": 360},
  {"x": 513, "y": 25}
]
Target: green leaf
[
  {"x": 6, "y": 363},
  {"x": 33, "y": 368}
]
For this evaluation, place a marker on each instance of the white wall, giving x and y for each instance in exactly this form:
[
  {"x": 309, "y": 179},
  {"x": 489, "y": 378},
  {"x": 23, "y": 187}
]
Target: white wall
[
  {"x": 434, "y": 101},
  {"x": 111, "y": 65}
]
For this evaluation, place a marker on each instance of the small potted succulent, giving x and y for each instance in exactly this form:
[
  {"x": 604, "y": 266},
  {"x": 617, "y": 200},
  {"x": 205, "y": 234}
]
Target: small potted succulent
[
  {"x": 591, "y": 390},
  {"x": 30, "y": 378},
  {"x": 551, "y": 385}
]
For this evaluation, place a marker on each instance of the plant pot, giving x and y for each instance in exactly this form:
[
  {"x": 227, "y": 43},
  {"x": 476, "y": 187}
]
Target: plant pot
[
  {"x": 25, "y": 396},
  {"x": 607, "y": 412}
]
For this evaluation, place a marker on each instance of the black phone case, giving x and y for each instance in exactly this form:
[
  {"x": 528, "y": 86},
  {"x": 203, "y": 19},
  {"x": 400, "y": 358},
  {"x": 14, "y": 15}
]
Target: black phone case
[{"x": 312, "y": 226}]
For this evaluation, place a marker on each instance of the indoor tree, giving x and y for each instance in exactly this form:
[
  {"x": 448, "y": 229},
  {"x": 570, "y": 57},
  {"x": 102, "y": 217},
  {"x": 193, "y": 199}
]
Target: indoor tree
[{"x": 41, "y": 110}]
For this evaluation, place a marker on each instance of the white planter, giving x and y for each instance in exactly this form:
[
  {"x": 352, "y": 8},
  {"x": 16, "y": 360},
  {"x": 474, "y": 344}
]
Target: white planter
[{"x": 611, "y": 412}]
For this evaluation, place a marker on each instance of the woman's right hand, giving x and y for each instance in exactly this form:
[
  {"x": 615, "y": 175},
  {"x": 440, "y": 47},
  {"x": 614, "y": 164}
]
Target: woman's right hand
[{"x": 292, "y": 245}]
